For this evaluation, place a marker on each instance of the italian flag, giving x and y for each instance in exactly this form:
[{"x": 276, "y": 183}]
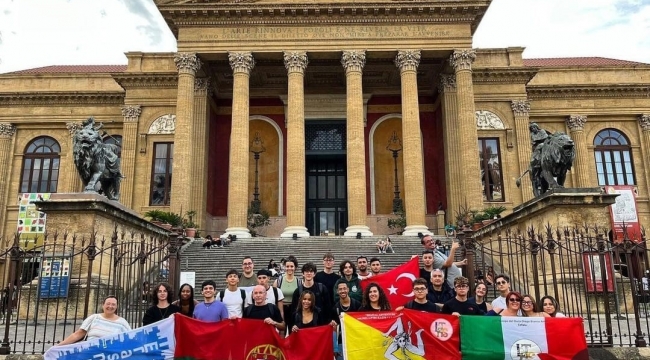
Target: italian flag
[{"x": 502, "y": 337}]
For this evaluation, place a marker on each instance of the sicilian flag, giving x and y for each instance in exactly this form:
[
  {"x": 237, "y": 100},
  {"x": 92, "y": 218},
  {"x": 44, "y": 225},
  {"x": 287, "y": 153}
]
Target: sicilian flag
[
  {"x": 152, "y": 342},
  {"x": 398, "y": 282},
  {"x": 406, "y": 334},
  {"x": 249, "y": 339},
  {"x": 502, "y": 337}
]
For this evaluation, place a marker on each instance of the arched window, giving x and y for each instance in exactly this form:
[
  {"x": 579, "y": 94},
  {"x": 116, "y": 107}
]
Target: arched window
[
  {"x": 41, "y": 166},
  {"x": 115, "y": 140},
  {"x": 613, "y": 158}
]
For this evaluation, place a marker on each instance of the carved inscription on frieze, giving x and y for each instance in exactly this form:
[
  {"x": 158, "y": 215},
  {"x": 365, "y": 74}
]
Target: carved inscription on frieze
[{"x": 323, "y": 33}]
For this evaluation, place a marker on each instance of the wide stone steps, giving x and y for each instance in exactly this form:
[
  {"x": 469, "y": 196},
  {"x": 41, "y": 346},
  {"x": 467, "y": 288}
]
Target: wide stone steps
[{"x": 214, "y": 263}]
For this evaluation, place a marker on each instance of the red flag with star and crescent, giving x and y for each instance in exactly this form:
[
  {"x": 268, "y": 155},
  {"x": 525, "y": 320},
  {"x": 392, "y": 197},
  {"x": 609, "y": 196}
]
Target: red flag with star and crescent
[{"x": 397, "y": 283}]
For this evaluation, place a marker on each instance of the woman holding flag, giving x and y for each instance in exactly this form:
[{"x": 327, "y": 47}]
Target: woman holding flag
[
  {"x": 98, "y": 325},
  {"x": 374, "y": 299}
]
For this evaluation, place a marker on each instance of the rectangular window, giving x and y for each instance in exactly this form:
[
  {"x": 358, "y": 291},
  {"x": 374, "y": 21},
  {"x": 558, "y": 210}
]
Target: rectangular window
[
  {"x": 490, "y": 165},
  {"x": 614, "y": 167},
  {"x": 161, "y": 174}
]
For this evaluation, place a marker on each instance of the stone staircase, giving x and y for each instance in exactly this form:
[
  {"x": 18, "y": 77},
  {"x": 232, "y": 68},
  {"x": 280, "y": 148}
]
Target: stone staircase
[{"x": 214, "y": 263}]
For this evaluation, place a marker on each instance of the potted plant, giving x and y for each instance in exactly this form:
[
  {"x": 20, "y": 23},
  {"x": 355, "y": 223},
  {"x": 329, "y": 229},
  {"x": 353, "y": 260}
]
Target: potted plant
[
  {"x": 156, "y": 216},
  {"x": 494, "y": 212},
  {"x": 189, "y": 225}
]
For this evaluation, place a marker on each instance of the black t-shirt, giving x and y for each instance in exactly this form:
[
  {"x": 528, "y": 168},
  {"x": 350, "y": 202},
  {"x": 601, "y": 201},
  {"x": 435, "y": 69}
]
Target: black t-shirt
[
  {"x": 355, "y": 305},
  {"x": 482, "y": 306},
  {"x": 317, "y": 320},
  {"x": 328, "y": 280},
  {"x": 262, "y": 312},
  {"x": 426, "y": 275},
  {"x": 370, "y": 308},
  {"x": 426, "y": 307},
  {"x": 461, "y": 307},
  {"x": 323, "y": 298},
  {"x": 155, "y": 313}
]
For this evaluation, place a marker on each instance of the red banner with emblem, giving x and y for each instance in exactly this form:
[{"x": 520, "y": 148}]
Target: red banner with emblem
[
  {"x": 397, "y": 283},
  {"x": 247, "y": 339}
]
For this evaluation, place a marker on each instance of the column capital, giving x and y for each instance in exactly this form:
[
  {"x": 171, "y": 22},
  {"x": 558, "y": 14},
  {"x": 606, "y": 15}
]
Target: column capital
[
  {"x": 7, "y": 130},
  {"x": 202, "y": 84},
  {"x": 447, "y": 83},
  {"x": 73, "y": 127},
  {"x": 462, "y": 59},
  {"x": 353, "y": 60},
  {"x": 408, "y": 60},
  {"x": 576, "y": 122},
  {"x": 296, "y": 61},
  {"x": 644, "y": 121},
  {"x": 187, "y": 63},
  {"x": 241, "y": 62},
  {"x": 131, "y": 113},
  {"x": 520, "y": 107}
]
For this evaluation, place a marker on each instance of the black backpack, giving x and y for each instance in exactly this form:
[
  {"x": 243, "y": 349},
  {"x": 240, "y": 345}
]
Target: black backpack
[{"x": 243, "y": 297}]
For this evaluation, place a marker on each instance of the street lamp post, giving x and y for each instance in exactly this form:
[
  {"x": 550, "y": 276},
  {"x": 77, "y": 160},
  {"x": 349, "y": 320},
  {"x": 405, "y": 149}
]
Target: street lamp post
[
  {"x": 395, "y": 146},
  {"x": 257, "y": 147}
]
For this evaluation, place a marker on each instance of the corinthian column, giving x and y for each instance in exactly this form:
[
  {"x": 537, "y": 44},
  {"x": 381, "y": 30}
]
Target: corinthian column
[
  {"x": 187, "y": 64},
  {"x": 461, "y": 61},
  {"x": 451, "y": 139},
  {"x": 353, "y": 63},
  {"x": 581, "y": 174},
  {"x": 131, "y": 114},
  {"x": 644, "y": 122},
  {"x": 7, "y": 132},
  {"x": 521, "y": 108},
  {"x": 200, "y": 133},
  {"x": 242, "y": 64},
  {"x": 296, "y": 64},
  {"x": 407, "y": 62},
  {"x": 74, "y": 180}
]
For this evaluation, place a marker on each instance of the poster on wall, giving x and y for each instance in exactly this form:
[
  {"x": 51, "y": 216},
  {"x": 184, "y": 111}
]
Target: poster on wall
[
  {"x": 55, "y": 277},
  {"x": 623, "y": 213},
  {"x": 593, "y": 272},
  {"x": 31, "y": 222}
]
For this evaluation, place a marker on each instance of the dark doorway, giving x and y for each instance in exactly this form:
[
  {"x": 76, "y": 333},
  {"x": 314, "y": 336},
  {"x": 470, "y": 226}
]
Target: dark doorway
[{"x": 327, "y": 198}]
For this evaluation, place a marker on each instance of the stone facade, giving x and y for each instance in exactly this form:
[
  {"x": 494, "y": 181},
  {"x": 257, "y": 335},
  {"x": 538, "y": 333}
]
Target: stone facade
[{"x": 282, "y": 69}]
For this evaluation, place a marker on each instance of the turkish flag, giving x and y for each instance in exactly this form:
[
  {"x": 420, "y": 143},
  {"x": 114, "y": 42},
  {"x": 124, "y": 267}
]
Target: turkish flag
[{"x": 397, "y": 283}]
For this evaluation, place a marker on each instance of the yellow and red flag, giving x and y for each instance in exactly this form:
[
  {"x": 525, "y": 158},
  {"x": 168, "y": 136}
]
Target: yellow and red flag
[
  {"x": 398, "y": 282},
  {"x": 406, "y": 334}
]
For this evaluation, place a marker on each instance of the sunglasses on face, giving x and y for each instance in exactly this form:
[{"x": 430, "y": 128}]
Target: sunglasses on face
[
  {"x": 514, "y": 300},
  {"x": 527, "y": 302},
  {"x": 461, "y": 286},
  {"x": 501, "y": 282}
]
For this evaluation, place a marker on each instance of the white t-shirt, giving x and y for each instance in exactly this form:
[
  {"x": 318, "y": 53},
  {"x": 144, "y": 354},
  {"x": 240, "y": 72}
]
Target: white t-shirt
[
  {"x": 233, "y": 301},
  {"x": 97, "y": 326},
  {"x": 270, "y": 296}
]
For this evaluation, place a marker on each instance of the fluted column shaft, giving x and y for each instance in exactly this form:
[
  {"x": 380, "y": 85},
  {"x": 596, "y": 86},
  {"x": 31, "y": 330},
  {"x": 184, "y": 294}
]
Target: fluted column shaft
[
  {"x": 296, "y": 64},
  {"x": 644, "y": 122},
  {"x": 581, "y": 174},
  {"x": 7, "y": 132},
  {"x": 187, "y": 64},
  {"x": 353, "y": 63},
  {"x": 461, "y": 61},
  {"x": 131, "y": 114},
  {"x": 242, "y": 64},
  {"x": 451, "y": 139},
  {"x": 521, "y": 108},
  {"x": 414, "y": 200},
  {"x": 74, "y": 180},
  {"x": 200, "y": 133}
]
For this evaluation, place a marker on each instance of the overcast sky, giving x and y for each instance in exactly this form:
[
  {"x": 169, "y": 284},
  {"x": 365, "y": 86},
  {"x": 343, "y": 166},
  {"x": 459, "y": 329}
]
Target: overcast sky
[{"x": 36, "y": 33}]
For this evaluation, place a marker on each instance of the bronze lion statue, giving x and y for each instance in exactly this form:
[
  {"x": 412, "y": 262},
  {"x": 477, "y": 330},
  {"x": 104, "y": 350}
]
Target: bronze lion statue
[
  {"x": 96, "y": 161},
  {"x": 550, "y": 162}
]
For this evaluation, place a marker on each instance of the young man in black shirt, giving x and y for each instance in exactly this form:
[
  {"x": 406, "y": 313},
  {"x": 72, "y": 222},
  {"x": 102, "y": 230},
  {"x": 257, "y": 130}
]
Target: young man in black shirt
[
  {"x": 262, "y": 311},
  {"x": 420, "y": 302},
  {"x": 345, "y": 304},
  {"x": 328, "y": 277},
  {"x": 323, "y": 298},
  {"x": 459, "y": 305},
  {"x": 427, "y": 261}
]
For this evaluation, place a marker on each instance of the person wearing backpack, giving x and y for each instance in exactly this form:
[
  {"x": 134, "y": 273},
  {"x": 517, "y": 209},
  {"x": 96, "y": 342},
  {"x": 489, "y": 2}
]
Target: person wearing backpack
[
  {"x": 323, "y": 298},
  {"x": 262, "y": 311},
  {"x": 233, "y": 297},
  {"x": 273, "y": 294}
]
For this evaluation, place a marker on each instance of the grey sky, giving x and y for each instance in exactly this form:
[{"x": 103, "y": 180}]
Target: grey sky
[{"x": 37, "y": 33}]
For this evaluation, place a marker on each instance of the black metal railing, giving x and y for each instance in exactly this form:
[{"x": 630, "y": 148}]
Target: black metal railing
[
  {"x": 50, "y": 285},
  {"x": 603, "y": 281}
]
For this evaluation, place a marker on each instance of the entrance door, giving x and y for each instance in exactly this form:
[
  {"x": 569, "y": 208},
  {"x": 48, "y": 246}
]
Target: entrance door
[{"x": 326, "y": 195}]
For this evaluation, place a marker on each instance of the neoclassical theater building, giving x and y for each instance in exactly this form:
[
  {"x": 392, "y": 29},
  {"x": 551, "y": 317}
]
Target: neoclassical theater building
[{"x": 328, "y": 115}]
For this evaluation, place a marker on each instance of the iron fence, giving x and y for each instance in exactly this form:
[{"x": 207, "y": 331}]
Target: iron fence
[
  {"x": 603, "y": 281},
  {"x": 50, "y": 285}
]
